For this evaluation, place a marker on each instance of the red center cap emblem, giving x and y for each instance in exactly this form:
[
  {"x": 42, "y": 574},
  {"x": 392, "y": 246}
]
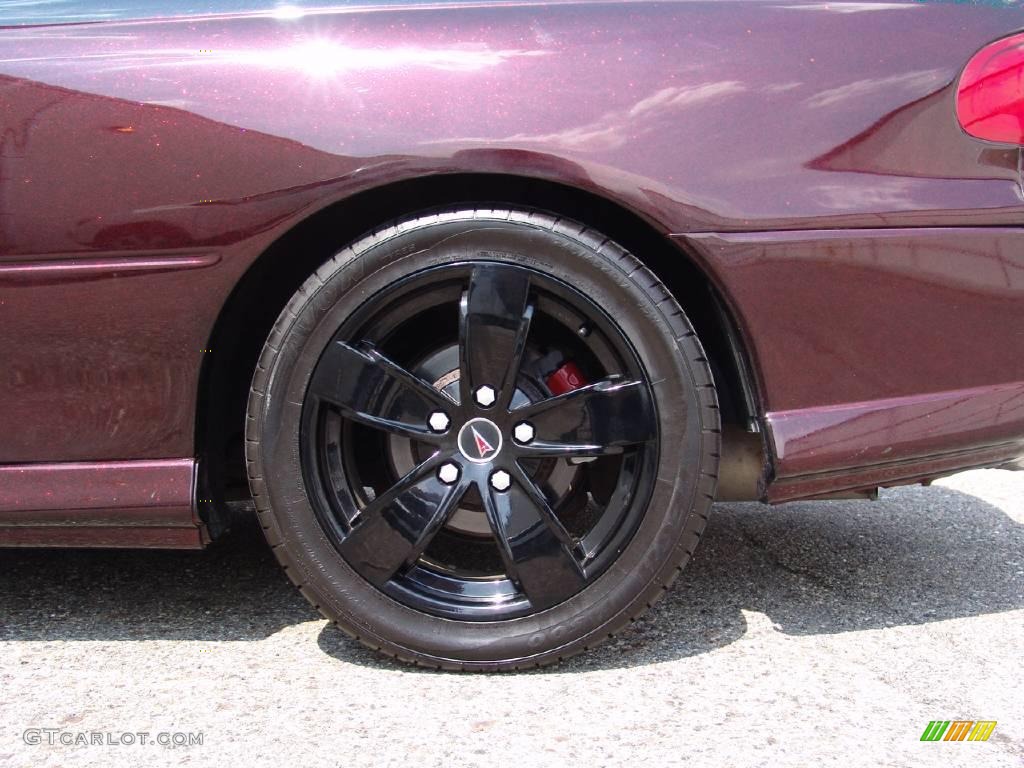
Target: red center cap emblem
[
  {"x": 479, "y": 440},
  {"x": 482, "y": 446}
]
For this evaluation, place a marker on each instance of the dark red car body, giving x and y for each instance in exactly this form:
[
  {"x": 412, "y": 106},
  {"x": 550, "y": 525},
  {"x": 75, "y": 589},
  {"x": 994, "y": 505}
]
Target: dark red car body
[{"x": 795, "y": 171}]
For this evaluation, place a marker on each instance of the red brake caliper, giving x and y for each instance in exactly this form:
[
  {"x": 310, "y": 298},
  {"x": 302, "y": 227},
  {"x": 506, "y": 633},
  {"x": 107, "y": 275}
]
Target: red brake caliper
[{"x": 566, "y": 378}]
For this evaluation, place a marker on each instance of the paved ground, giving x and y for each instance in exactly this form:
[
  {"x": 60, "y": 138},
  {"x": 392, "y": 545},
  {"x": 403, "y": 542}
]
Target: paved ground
[{"x": 808, "y": 635}]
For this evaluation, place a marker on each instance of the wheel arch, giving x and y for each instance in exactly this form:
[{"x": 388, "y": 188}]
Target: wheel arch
[{"x": 247, "y": 316}]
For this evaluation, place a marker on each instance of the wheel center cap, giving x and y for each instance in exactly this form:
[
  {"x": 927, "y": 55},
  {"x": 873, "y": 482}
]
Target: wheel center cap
[{"x": 479, "y": 440}]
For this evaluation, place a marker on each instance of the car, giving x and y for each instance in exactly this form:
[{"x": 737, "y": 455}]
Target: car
[{"x": 478, "y": 307}]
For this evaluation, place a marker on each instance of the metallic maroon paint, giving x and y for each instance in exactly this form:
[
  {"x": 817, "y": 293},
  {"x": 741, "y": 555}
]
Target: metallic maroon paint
[
  {"x": 877, "y": 347},
  {"x": 806, "y": 156},
  {"x": 100, "y": 504},
  {"x": 876, "y": 442},
  {"x": 68, "y": 270},
  {"x": 845, "y": 317}
]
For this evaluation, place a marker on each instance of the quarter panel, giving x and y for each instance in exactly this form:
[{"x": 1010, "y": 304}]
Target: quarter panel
[
  {"x": 838, "y": 317},
  {"x": 885, "y": 355},
  {"x": 213, "y": 135},
  {"x": 705, "y": 115}
]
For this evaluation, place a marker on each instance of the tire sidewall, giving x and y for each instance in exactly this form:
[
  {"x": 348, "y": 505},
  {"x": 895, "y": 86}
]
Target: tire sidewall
[{"x": 651, "y": 554}]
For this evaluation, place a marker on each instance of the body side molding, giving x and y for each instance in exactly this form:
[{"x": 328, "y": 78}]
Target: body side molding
[
  {"x": 894, "y": 440},
  {"x": 101, "y": 504}
]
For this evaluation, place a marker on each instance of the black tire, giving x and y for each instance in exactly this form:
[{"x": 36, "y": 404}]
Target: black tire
[{"x": 683, "y": 459}]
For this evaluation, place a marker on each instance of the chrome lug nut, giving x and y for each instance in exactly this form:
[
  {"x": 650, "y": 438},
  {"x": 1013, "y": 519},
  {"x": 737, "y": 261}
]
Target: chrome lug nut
[
  {"x": 523, "y": 432},
  {"x": 448, "y": 473},
  {"x": 439, "y": 421},
  {"x": 485, "y": 396},
  {"x": 500, "y": 480}
]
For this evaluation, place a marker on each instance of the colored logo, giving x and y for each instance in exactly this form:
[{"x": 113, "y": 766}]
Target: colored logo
[
  {"x": 482, "y": 446},
  {"x": 958, "y": 730},
  {"x": 479, "y": 440}
]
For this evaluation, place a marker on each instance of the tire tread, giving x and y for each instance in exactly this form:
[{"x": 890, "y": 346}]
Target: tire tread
[{"x": 690, "y": 349}]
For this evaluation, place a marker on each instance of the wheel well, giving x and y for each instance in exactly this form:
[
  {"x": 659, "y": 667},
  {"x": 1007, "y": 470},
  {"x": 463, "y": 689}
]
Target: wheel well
[{"x": 251, "y": 310}]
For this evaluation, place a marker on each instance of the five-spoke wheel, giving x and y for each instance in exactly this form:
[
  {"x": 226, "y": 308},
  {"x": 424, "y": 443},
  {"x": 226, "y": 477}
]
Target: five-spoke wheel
[
  {"x": 482, "y": 440},
  {"x": 489, "y": 429}
]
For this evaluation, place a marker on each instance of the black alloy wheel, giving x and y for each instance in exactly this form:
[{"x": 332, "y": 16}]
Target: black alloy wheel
[
  {"x": 482, "y": 440},
  {"x": 493, "y": 432}
]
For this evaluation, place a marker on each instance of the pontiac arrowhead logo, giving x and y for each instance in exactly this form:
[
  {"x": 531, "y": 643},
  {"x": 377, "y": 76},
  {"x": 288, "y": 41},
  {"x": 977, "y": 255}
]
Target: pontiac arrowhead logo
[
  {"x": 482, "y": 446},
  {"x": 479, "y": 440}
]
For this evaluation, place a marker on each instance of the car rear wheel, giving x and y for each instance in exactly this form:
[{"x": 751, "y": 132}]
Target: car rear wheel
[{"x": 482, "y": 439}]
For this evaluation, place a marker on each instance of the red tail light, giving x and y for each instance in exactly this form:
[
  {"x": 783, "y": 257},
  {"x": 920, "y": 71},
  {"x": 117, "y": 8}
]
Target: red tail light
[{"x": 990, "y": 99}]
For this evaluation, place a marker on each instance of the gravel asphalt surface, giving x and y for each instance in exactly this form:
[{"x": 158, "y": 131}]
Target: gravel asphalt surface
[{"x": 813, "y": 634}]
